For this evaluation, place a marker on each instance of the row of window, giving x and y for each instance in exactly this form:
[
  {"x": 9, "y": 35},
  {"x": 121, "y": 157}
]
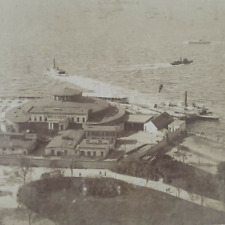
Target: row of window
[
  {"x": 59, "y": 98},
  {"x": 78, "y": 119},
  {"x": 40, "y": 119},
  {"x": 59, "y": 153},
  {"x": 101, "y": 133},
  {"x": 82, "y": 153}
]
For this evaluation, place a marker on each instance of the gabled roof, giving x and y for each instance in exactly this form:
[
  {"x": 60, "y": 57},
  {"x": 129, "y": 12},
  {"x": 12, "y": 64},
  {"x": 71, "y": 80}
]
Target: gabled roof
[
  {"x": 162, "y": 121},
  {"x": 136, "y": 118},
  {"x": 177, "y": 123},
  {"x": 20, "y": 114},
  {"x": 66, "y": 91}
]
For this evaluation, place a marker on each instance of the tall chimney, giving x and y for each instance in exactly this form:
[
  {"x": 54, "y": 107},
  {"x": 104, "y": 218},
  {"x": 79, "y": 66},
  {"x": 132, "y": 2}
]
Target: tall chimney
[
  {"x": 185, "y": 99},
  {"x": 54, "y": 63}
]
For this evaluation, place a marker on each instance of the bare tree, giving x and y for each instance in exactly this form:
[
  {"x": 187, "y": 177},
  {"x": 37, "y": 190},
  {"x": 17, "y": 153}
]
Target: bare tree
[
  {"x": 25, "y": 168},
  {"x": 29, "y": 216},
  {"x": 178, "y": 192},
  {"x": 72, "y": 166}
]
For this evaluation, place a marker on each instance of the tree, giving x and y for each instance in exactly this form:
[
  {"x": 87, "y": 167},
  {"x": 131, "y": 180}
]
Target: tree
[
  {"x": 1, "y": 221},
  {"x": 27, "y": 196},
  {"x": 72, "y": 166},
  {"x": 221, "y": 171},
  {"x": 221, "y": 176},
  {"x": 25, "y": 168}
]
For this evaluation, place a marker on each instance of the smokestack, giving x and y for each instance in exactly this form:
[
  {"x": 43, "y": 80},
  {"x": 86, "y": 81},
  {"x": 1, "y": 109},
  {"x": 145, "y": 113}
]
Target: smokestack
[
  {"x": 54, "y": 63},
  {"x": 185, "y": 99}
]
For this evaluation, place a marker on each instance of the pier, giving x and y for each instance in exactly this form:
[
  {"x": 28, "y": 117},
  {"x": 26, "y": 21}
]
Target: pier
[
  {"x": 201, "y": 134},
  {"x": 18, "y": 97}
]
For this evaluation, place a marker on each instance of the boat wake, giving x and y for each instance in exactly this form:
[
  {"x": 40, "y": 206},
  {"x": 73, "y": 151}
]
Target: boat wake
[{"x": 143, "y": 67}]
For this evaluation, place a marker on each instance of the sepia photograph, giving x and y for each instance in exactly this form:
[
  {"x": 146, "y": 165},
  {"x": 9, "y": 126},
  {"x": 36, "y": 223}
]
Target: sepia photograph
[{"x": 112, "y": 112}]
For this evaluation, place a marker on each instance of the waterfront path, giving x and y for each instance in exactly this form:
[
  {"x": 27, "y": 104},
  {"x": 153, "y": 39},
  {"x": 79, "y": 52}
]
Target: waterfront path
[{"x": 155, "y": 185}]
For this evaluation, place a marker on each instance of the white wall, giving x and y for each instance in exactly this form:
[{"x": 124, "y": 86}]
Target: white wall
[
  {"x": 70, "y": 152},
  {"x": 150, "y": 127},
  {"x": 175, "y": 131}
]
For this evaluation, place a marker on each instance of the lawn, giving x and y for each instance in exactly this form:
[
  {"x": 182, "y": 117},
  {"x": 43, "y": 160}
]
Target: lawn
[{"x": 102, "y": 204}]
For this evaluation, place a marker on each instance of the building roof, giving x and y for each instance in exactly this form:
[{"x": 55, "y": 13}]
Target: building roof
[
  {"x": 100, "y": 145},
  {"x": 20, "y": 114},
  {"x": 66, "y": 91},
  {"x": 114, "y": 118},
  {"x": 72, "y": 134},
  {"x": 139, "y": 118},
  {"x": 60, "y": 141},
  {"x": 17, "y": 115},
  {"x": 177, "y": 123},
  {"x": 95, "y": 105},
  {"x": 59, "y": 110},
  {"x": 144, "y": 137},
  {"x": 99, "y": 128},
  {"x": 162, "y": 121}
]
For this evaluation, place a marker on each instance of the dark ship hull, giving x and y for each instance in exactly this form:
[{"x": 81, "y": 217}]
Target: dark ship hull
[{"x": 182, "y": 62}]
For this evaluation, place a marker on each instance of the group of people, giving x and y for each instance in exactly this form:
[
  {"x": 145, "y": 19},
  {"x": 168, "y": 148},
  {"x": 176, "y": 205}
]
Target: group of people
[{"x": 100, "y": 173}]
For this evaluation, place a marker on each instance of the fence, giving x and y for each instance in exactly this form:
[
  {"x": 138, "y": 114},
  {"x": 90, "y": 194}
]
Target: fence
[{"x": 56, "y": 163}]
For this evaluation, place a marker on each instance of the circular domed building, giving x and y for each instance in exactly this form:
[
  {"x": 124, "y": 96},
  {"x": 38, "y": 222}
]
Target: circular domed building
[{"x": 65, "y": 109}]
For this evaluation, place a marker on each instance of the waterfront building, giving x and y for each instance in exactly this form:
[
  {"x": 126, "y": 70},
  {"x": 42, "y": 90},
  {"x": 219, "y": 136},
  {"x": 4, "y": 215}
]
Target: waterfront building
[
  {"x": 158, "y": 122},
  {"x": 66, "y": 108},
  {"x": 137, "y": 122},
  {"x": 176, "y": 128},
  {"x": 150, "y": 123}
]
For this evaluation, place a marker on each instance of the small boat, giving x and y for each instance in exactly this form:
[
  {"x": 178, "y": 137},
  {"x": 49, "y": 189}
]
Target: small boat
[
  {"x": 182, "y": 61},
  {"x": 56, "y": 71},
  {"x": 160, "y": 87},
  {"x": 208, "y": 117},
  {"x": 199, "y": 42}
]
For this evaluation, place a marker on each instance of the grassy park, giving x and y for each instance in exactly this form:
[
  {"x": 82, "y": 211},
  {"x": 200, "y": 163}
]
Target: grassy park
[{"x": 105, "y": 201}]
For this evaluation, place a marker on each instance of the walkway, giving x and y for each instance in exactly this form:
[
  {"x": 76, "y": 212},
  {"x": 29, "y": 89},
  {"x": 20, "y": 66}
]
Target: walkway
[{"x": 155, "y": 185}]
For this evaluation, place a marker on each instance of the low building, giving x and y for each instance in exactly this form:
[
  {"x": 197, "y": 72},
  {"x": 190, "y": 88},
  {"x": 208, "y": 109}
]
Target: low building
[
  {"x": 17, "y": 143},
  {"x": 137, "y": 122},
  {"x": 97, "y": 148},
  {"x": 100, "y": 133},
  {"x": 158, "y": 123},
  {"x": 65, "y": 143},
  {"x": 98, "y": 140},
  {"x": 176, "y": 128}
]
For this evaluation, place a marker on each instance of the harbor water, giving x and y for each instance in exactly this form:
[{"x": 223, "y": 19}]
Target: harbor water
[{"x": 123, "y": 47}]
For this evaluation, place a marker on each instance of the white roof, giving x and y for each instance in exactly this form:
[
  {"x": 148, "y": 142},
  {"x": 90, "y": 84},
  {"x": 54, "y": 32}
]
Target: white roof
[
  {"x": 139, "y": 118},
  {"x": 177, "y": 123},
  {"x": 145, "y": 137}
]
